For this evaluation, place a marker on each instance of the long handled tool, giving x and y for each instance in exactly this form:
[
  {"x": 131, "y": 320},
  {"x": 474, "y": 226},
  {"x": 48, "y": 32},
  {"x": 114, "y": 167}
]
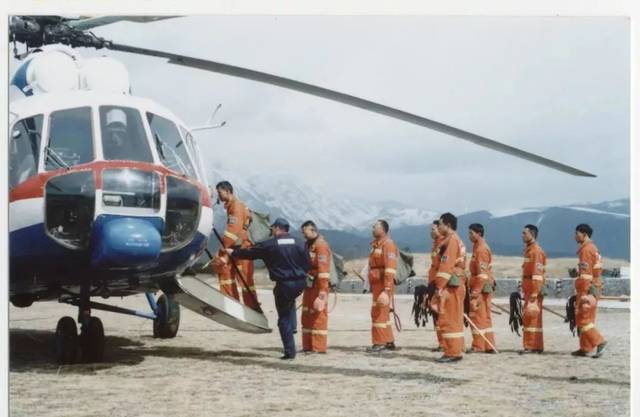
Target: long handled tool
[
  {"x": 616, "y": 298},
  {"x": 504, "y": 310},
  {"x": 237, "y": 270},
  {"x": 554, "y": 313},
  {"x": 480, "y": 333}
]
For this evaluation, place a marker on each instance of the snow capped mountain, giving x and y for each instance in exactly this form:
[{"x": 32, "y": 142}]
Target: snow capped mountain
[
  {"x": 616, "y": 208},
  {"x": 347, "y": 222},
  {"x": 289, "y": 198}
]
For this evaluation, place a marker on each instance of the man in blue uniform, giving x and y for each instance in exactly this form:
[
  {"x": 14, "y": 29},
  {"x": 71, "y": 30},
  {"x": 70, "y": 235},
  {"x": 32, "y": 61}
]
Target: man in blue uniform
[{"x": 288, "y": 263}]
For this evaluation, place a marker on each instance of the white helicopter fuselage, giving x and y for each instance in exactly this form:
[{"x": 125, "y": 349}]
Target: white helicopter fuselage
[{"x": 105, "y": 186}]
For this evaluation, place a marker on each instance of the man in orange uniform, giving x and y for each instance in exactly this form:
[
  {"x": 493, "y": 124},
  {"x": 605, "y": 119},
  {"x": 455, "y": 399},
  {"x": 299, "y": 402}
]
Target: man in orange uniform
[
  {"x": 433, "y": 270},
  {"x": 588, "y": 291},
  {"x": 236, "y": 234},
  {"x": 383, "y": 260},
  {"x": 315, "y": 316},
  {"x": 533, "y": 267},
  {"x": 480, "y": 291},
  {"x": 450, "y": 285}
]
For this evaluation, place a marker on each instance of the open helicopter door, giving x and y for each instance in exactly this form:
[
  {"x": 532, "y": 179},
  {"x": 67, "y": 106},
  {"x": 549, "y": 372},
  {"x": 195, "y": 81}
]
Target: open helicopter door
[{"x": 207, "y": 301}]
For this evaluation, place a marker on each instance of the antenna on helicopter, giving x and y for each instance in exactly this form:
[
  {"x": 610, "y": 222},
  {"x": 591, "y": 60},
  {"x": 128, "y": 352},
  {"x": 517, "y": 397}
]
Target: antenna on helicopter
[{"x": 209, "y": 123}]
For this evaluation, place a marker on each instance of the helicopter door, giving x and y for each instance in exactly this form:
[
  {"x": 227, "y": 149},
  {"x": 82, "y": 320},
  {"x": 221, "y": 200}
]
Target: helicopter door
[{"x": 24, "y": 149}]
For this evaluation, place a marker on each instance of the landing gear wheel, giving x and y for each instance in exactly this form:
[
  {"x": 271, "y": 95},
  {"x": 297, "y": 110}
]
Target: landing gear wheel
[
  {"x": 66, "y": 340},
  {"x": 93, "y": 341},
  {"x": 167, "y": 321}
]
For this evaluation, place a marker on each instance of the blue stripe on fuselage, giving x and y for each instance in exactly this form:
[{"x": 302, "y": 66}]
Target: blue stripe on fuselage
[{"x": 37, "y": 258}]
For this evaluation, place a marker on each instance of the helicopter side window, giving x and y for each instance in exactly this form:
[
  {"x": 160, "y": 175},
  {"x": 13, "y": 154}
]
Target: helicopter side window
[
  {"x": 70, "y": 138},
  {"x": 24, "y": 149},
  {"x": 123, "y": 135},
  {"x": 193, "y": 148},
  {"x": 171, "y": 148}
]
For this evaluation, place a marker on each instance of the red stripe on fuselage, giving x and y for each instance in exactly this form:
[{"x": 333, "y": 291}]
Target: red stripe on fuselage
[{"x": 34, "y": 186}]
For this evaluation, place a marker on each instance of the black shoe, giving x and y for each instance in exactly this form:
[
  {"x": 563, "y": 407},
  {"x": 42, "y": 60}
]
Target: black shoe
[
  {"x": 491, "y": 351},
  {"x": 448, "y": 359},
  {"x": 375, "y": 348},
  {"x": 601, "y": 349},
  {"x": 578, "y": 353},
  {"x": 390, "y": 346},
  {"x": 528, "y": 351},
  {"x": 468, "y": 351},
  {"x": 287, "y": 357},
  {"x": 438, "y": 349}
]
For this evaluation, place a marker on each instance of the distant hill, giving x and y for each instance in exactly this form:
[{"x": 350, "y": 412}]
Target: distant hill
[
  {"x": 346, "y": 223},
  {"x": 610, "y": 220}
]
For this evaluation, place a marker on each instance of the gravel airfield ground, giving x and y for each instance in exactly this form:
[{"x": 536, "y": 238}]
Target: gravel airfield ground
[{"x": 211, "y": 370}]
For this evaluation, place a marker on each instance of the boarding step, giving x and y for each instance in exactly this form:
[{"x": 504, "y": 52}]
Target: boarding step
[{"x": 202, "y": 298}]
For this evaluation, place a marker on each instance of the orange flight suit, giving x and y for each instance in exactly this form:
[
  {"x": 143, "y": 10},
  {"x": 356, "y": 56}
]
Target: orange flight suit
[
  {"x": 433, "y": 270},
  {"x": 315, "y": 323},
  {"x": 383, "y": 261},
  {"x": 236, "y": 233},
  {"x": 480, "y": 290},
  {"x": 533, "y": 267},
  {"x": 451, "y": 291},
  {"x": 588, "y": 291}
]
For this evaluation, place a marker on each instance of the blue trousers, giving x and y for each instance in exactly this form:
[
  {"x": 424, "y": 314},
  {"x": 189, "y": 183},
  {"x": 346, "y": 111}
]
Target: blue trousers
[{"x": 285, "y": 293}]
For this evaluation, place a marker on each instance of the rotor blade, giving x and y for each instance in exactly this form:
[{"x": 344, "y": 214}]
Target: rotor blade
[
  {"x": 92, "y": 22},
  {"x": 350, "y": 100}
]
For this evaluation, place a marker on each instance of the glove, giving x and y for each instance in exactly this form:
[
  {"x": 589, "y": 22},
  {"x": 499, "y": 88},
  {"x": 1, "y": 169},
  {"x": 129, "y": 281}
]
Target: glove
[
  {"x": 474, "y": 303},
  {"x": 435, "y": 303},
  {"x": 218, "y": 264},
  {"x": 532, "y": 308},
  {"x": 320, "y": 303},
  {"x": 587, "y": 302},
  {"x": 383, "y": 299}
]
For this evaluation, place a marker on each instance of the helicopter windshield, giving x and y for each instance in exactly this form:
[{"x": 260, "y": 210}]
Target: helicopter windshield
[
  {"x": 70, "y": 138},
  {"x": 171, "y": 149},
  {"x": 123, "y": 135}
]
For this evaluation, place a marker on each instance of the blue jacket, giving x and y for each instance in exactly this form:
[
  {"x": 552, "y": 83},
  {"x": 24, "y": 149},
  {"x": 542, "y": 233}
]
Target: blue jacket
[{"x": 285, "y": 257}]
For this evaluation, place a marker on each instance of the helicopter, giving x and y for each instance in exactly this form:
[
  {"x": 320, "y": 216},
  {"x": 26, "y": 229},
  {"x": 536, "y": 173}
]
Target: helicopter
[{"x": 108, "y": 191}]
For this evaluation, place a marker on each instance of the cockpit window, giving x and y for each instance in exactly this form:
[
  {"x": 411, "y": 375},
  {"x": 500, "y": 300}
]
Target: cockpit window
[
  {"x": 123, "y": 135},
  {"x": 70, "y": 138},
  {"x": 171, "y": 149},
  {"x": 193, "y": 148},
  {"x": 24, "y": 149}
]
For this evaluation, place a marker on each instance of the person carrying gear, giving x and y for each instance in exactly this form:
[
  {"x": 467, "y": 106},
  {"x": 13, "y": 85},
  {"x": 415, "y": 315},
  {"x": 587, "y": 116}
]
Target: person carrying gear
[
  {"x": 315, "y": 315},
  {"x": 588, "y": 291},
  {"x": 533, "y": 268},
  {"x": 481, "y": 283},
  {"x": 288, "y": 263},
  {"x": 449, "y": 301},
  {"x": 433, "y": 270},
  {"x": 235, "y": 234},
  {"x": 383, "y": 260}
]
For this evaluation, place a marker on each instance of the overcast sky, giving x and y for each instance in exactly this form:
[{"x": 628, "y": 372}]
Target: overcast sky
[{"x": 558, "y": 87}]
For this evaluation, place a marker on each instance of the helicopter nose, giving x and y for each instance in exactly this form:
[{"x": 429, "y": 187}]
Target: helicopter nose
[{"x": 125, "y": 242}]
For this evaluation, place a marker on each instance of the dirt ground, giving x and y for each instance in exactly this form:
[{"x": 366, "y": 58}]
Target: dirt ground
[{"x": 211, "y": 370}]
